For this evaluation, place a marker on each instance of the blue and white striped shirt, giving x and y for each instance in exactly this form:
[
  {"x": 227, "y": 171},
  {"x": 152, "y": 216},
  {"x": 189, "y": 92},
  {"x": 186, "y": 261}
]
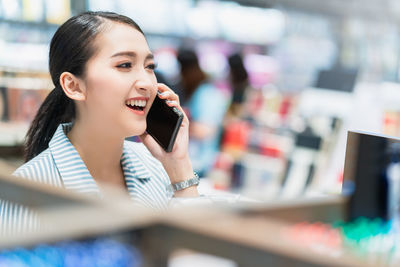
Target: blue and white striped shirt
[{"x": 60, "y": 165}]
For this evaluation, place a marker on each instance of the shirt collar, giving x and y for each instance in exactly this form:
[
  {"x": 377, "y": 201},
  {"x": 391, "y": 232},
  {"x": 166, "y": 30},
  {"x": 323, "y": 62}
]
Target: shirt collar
[
  {"x": 132, "y": 166},
  {"x": 74, "y": 172}
]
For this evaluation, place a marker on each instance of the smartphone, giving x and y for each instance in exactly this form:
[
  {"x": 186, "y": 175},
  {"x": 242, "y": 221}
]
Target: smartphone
[{"x": 163, "y": 123}]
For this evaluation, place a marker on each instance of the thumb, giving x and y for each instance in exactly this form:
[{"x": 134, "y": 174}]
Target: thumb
[
  {"x": 151, "y": 144},
  {"x": 146, "y": 139}
]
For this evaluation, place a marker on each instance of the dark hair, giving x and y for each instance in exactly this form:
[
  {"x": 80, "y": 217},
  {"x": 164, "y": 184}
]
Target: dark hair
[
  {"x": 238, "y": 71},
  {"x": 70, "y": 49},
  {"x": 191, "y": 73},
  {"x": 187, "y": 58}
]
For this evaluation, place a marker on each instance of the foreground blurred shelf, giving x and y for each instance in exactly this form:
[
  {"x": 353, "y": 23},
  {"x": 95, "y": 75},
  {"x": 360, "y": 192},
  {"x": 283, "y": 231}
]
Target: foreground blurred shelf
[{"x": 249, "y": 235}]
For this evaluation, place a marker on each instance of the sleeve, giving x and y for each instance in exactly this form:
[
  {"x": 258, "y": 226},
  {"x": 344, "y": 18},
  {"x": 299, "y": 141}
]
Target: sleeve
[{"x": 17, "y": 219}]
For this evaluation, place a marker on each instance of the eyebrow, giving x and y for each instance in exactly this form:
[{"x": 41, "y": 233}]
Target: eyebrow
[{"x": 132, "y": 54}]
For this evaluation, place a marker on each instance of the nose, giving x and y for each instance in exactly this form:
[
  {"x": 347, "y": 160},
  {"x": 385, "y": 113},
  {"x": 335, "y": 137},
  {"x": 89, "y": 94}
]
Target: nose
[{"x": 145, "y": 81}]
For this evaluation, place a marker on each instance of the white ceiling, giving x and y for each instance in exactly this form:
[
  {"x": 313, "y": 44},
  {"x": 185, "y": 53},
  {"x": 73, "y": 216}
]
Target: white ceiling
[{"x": 385, "y": 10}]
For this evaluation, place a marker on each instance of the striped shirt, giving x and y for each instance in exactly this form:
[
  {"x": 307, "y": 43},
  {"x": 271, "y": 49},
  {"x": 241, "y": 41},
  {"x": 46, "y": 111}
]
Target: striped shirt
[{"x": 60, "y": 165}]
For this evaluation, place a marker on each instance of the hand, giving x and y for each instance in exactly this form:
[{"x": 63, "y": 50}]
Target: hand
[
  {"x": 180, "y": 148},
  {"x": 177, "y": 162}
]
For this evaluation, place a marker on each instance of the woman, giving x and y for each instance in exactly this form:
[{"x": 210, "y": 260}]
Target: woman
[
  {"x": 205, "y": 127},
  {"x": 103, "y": 72}
]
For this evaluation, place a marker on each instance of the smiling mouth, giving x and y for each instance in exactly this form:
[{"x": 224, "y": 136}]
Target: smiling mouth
[{"x": 136, "y": 104}]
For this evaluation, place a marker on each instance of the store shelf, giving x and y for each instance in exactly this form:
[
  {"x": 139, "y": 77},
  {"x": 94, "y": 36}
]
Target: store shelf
[
  {"x": 32, "y": 24},
  {"x": 13, "y": 133},
  {"x": 26, "y": 83},
  {"x": 248, "y": 235}
]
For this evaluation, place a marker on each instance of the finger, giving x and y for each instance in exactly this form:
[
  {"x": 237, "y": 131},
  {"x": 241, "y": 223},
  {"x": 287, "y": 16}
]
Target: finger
[
  {"x": 185, "y": 117},
  {"x": 176, "y": 104},
  {"x": 172, "y": 103},
  {"x": 163, "y": 87},
  {"x": 167, "y": 93},
  {"x": 149, "y": 142}
]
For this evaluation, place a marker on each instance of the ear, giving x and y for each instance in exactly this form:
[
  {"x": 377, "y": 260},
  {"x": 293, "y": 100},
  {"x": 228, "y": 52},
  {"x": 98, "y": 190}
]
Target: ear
[{"x": 73, "y": 87}]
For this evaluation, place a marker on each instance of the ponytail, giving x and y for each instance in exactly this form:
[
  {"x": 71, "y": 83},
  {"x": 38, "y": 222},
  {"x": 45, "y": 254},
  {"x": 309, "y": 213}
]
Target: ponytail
[{"x": 57, "y": 108}]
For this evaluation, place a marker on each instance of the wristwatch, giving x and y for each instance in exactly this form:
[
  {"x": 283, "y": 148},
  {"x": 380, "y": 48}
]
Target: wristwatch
[{"x": 184, "y": 184}]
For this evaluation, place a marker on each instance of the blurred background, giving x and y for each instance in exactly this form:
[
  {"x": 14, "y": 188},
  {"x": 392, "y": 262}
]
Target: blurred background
[{"x": 271, "y": 86}]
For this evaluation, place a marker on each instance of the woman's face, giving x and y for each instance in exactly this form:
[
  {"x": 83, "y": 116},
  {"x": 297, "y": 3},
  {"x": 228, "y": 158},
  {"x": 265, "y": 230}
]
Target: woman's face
[{"x": 120, "y": 81}]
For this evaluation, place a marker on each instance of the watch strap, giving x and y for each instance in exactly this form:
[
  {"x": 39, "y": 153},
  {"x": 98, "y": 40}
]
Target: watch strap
[{"x": 187, "y": 183}]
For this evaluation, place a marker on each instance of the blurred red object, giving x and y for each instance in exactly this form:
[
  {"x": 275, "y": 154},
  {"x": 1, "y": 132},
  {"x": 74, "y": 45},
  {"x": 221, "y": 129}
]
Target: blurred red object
[
  {"x": 285, "y": 107},
  {"x": 271, "y": 151},
  {"x": 236, "y": 135}
]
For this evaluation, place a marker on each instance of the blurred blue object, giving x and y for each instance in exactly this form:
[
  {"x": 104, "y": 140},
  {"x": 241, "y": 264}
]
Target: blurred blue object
[{"x": 100, "y": 252}]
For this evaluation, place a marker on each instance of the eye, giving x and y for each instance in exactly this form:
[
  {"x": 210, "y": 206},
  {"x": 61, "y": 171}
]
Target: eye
[
  {"x": 125, "y": 65},
  {"x": 152, "y": 66}
]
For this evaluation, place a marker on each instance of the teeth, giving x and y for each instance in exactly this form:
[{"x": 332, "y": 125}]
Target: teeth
[{"x": 139, "y": 103}]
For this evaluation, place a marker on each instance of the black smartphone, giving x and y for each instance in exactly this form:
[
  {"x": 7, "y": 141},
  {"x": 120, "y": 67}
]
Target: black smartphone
[{"x": 163, "y": 123}]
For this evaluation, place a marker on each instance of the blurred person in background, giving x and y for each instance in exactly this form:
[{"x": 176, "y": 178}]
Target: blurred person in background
[
  {"x": 235, "y": 125},
  {"x": 239, "y": 80},
  {"x": 205, "y": 106}
]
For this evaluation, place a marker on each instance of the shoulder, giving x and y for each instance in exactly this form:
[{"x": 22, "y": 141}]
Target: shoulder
[
  {"x": 209, "y": 92},
  {"x": 40, "y": 169},
  {"x": 206, "y": 88},
  {"x": 209, "y": 87},
  {"x": 137, "y": 148},
  {"x": 141, "y": 155},
  {"x": 139, "y": 151}
]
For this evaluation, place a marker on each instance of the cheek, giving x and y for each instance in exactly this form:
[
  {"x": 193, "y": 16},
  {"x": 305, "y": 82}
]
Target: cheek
[
  {"x": 105, "y": 87},
  {"x": 153, "y": 90},
  {"x": 153, "y": 93},
  {"x": 101, "y": 93}
]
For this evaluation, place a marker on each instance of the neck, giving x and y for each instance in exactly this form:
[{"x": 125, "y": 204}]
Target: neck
[{"x": 100, "y": 150}]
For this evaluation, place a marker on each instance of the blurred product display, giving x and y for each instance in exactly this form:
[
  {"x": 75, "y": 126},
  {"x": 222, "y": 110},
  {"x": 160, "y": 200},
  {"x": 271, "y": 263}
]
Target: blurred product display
[
  {"x": 303, "y": 100},
  {"x": 365, "y": 237}
]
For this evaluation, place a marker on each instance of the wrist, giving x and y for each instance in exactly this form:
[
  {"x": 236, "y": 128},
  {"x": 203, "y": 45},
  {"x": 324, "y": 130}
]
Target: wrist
[
  {"x": 179, "y": 170},
  {"x": 186, "y": 188}
]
